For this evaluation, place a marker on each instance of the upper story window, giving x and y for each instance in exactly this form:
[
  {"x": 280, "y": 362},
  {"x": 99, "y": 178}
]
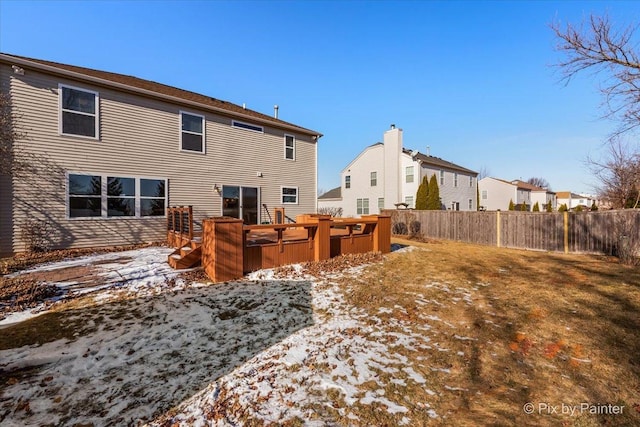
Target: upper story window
[
  {"x": 347, "y": 181},
  {"x": 470, "y": 204},
  {"x": 409, "y": 174},
  {"x": 289, "y": 195},
  {"x": 380, "y": 203},
  {"x": 484, "y": 194},
  {"x": 191, "y": 132},
  {"x": 441, "y": 177},
  {"x": 455, "y": 179},
  {"x": 374, "y": 179},
  {"x": 289, "y": 147},
  {"x": 79, "y": 112},
  {"x": 247, "y": 126},
  {"x": 470, "y": 181}
]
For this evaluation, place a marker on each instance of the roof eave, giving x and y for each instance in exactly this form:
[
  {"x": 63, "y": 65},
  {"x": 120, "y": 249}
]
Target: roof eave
[{"x": 104, "y": 82}]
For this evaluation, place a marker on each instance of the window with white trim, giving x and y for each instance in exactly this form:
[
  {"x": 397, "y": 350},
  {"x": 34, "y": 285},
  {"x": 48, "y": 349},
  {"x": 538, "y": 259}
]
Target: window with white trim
[
  {"x": 409, "y": 201},
  {"x": 470, "y": 181},
  {"x": 455, "y": 179},
  {"x": 408, "y": 174},
  {"x": 441, "y": 177},
  {"x": 374, "y": 179},
  {"x": 113, "y": 196},
  {"x": 289, "y": 147},
  {"x": 191, "y": 132},
  {"x": 380, "y": 203},
  {"x": 362, "y": 206},
  {"x": 79, "y": 112},
  {"x": 347, "y": 181},
  {"x": 289, "y": 195},
  {"x": 247, "y": 126},
  {"x": 84, "y": 196},
  {"x": 470, "y": 204},
  {"x": 484, "y": 194}
]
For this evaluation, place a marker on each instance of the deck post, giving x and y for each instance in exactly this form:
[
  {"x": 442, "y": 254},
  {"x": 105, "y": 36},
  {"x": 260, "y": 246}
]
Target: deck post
[
  {"x": 322, "y": 241},
  {"x": 381, "y": 233},
  {"x": 222, "y": 248}
]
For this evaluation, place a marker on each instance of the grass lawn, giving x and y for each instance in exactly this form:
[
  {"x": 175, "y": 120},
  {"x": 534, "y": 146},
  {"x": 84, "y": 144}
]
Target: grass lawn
[{"x": 518, "y": 327}]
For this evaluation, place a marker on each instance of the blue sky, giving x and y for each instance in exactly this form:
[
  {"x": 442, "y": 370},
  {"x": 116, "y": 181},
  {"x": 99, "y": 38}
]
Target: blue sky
[{"x": 474, "y": 81}]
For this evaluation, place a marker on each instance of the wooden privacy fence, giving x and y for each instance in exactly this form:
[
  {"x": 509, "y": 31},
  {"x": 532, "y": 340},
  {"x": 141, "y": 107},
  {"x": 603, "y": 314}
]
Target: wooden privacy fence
[
  {"x": 592, "y": 232},
  {"x": 231, "y": 249}
]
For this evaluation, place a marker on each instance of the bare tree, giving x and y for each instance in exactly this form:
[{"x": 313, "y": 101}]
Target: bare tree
[
  {"x": 613, "y": 54},
  {"x": 539, "y": 182},
  {"x": 483, "y": 172},
  {"x": 619, "y": 174},
  {"x": 602, "y": 49}
]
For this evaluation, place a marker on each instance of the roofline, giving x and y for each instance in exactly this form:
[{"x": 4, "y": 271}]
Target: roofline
[{"x": 104, "y": 82}]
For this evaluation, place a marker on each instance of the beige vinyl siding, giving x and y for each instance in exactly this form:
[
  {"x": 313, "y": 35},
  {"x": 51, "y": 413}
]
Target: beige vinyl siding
[{"x": 139, "y": 137}]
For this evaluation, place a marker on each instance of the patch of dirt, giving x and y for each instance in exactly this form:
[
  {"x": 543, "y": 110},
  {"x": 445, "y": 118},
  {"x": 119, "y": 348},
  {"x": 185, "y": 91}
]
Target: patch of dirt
[
  {"x": 25, "y": 260},
  {"x": 21, "y": 293}
]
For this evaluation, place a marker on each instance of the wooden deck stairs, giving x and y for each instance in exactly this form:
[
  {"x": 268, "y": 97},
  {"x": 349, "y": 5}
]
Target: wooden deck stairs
[{"x": 187, "y": 256}]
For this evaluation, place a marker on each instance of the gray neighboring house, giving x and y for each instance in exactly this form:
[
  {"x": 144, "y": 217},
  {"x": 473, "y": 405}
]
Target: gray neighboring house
[
  {"x": 109, "y": 152},
  {"x": 385, "y": 174}
]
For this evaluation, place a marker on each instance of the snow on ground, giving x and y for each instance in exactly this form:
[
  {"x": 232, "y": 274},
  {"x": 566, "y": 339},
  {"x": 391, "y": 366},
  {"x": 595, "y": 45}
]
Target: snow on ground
[{"x": 257, "y": 344}]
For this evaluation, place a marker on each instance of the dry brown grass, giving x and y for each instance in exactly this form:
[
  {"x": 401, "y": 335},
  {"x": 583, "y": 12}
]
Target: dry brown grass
[{"x": 543, "y": 328}]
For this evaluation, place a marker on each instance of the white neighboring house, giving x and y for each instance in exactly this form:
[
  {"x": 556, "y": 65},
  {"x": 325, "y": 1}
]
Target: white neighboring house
[
  {"x": 539, "y": 195},
  {"x": 495, "y": 194},
  {"x": 385, "y": 174},
  {"x": 573, "y": 200}
]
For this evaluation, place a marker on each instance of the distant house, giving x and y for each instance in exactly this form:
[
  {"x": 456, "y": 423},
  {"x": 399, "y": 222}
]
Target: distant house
[
  {"x": 385, "y": 174},
  {"x": 109, "y": 152},
  {"x": 495, "y": 194},
  {"x": 573, "y": 200},
  {"x": 542, "y": 196}
]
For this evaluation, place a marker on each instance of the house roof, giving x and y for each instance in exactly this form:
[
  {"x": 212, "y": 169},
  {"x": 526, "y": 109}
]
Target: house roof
[
  {"x": 334, "y": 193},
  {"x": 437, "y": 161},
  {"x": 527, "y": 186},
  {"x": 151, "y": 88},
  {"x": 569, "y": 195}
]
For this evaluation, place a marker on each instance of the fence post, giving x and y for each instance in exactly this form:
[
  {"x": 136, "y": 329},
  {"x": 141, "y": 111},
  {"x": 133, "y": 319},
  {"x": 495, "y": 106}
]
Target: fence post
[
  {"x": 498, "y": 228},
  {"x": 222, "y": 248},
  {"x": 566, "y": 232},
  {"x": 322, "y": 240}
]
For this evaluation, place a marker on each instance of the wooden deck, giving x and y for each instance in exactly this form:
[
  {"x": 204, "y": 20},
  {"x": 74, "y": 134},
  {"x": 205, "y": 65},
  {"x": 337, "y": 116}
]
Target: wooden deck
[{"x": 228, "y": 249}]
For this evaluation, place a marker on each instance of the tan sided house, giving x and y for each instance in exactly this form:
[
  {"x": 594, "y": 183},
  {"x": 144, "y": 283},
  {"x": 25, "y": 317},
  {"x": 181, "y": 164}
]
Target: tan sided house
[{"x": 108, "y": 153}]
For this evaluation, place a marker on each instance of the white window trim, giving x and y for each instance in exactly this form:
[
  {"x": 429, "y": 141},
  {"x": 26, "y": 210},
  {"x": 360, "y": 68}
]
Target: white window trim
[
  {"x": 371, "y": 178},
  {"x": 285, "y": 146},
  {"x": 103, "y": 197},
  {"x": 455, "y": 179},
  {"x": 470, "y": 181},
  {"x": 347, "y": 182},
  {"x": 233, "y": 124},
  {"x": 407, "y": 175},
  {"x": 442, "y": 181},
  {"x": 282, "y": 187},
  {"x": 97, "y": 113},
  {"x": 204, "y": 138},
  {"x": 380, "y": 199}
]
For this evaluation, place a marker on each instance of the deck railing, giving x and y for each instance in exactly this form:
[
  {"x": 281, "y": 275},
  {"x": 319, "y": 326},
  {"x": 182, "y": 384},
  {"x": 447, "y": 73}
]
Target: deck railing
[
  {"x": 179, "y": 225},
  {"x": 231, "y": 249}
]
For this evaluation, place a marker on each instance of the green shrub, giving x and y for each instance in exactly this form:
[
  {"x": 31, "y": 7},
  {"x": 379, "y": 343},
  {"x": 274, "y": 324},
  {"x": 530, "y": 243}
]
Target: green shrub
[{"x": 536, "y": 207}]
